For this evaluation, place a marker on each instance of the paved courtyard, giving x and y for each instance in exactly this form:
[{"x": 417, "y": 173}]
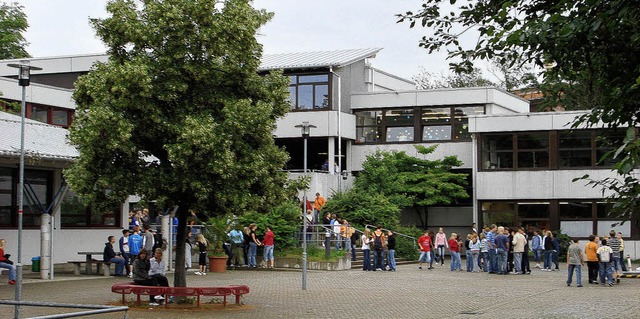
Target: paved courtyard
[{"x": 407, "y": 293}]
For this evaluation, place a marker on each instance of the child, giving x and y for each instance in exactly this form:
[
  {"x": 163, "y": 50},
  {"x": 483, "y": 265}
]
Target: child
[
  {"x": 604, "y": 258},
  {"x": 268, "y": 242},
  {"x": 424, "y": 242},
  {"x": 575, "y": 261},
  {"x": 366, "y": 259},
  {"x": 202, "y": 256},
  {"x": 454, "y": 248},
  {"x": 391, "y": 247}
]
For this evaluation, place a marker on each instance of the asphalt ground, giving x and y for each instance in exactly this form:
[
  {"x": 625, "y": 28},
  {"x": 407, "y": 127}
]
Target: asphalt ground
[{"x": 406, "y": 293}]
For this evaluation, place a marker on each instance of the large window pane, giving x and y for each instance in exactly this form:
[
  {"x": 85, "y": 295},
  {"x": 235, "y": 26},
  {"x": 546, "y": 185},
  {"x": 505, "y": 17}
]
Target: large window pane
[
  {"x": 368, "y": 134},
  {"x": 576, "y": 210},
  {"x": 400, "y": 134},
  {"x": 497, "y": 142},
  {"x": 533, "y": 210},
  {"x": 499, "y": 213},
  {"x": 436, "y": 115},
  {"x": 577, "y": 228},
  {"x": 313, "y": 78},
  {"x": 436, "y": 133},
  {"x": 497, "y": 151},
  {"x": 321, "y": 96},
  {"x": 533, "y": 140},
  {"x": 60, "y": 117},
  {"x": 292, "y": 97},
  {"x": 604, "y": 226},
  {"x": 40, "y": 114},
  {"x": 6, "y": 179},
  {"x": 574, "y": 139},
  {"x": 6, "y": 207},
  {"x": 305, "y": 97},
  {"x": 399, "y": 117},
  {"x": 364, "y": 118},
  {"x": 533, "y": 159},
  {"x": 574, "y": 158}
]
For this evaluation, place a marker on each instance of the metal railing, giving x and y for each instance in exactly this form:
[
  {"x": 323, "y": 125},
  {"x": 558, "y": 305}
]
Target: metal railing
[
  {"x": 95, "y": 309},
  {"x": 326, "y": 230},
  {"x": 413, "y": 239}
]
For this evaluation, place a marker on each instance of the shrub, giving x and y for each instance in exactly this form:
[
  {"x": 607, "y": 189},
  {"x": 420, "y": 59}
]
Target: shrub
[
  {"x": 284, "y": 220},
  {"x": 407, "y": 247}
]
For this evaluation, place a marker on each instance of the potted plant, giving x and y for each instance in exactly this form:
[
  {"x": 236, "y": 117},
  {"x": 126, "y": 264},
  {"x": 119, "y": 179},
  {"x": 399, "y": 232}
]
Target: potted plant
[{"x": 216, "y": 235}]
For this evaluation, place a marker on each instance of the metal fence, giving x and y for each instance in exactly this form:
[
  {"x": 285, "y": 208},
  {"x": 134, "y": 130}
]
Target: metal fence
[{"x": 94, "y": 309}]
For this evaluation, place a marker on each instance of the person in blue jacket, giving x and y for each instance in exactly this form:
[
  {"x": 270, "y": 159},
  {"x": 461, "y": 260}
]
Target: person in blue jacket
[{"x": 135, "y": 244}]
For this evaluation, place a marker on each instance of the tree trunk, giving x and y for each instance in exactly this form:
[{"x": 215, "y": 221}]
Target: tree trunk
[{"x": 180, "y": 278}]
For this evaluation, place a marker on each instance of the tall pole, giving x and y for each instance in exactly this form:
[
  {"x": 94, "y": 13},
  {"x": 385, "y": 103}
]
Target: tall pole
[
  {"x": 20, "y": 203},
  {"x": 304, "y": 223}
]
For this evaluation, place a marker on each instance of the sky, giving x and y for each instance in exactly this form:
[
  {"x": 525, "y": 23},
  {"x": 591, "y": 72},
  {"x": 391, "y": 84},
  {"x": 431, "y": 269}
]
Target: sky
[{"x": 61, "y": 27}]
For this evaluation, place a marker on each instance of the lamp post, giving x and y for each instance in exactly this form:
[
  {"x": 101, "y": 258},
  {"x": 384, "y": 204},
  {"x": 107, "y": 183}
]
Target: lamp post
[
  {"x": 24, "y": 73},
  {"x": 306, "y": 129}
]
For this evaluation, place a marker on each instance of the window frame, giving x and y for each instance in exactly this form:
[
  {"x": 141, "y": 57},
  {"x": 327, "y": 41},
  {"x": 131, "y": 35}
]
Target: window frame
[{"x": 314, "y": 85}]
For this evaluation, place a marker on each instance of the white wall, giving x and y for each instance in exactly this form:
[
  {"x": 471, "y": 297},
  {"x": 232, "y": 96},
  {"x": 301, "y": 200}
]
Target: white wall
[
  {"x": 37, "y": 93},
  {"x": 326, "y": 123},
  {"x": 461, "y": 149},
  {"x": 542, "y": 121},
  {"x": 325, "y": 184}
]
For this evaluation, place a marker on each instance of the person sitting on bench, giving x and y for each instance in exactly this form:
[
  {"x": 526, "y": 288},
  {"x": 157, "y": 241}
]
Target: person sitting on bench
[{"x": 141, "y": 267}]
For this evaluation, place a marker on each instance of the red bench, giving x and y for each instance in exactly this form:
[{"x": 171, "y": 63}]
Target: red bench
[{"x": 224, "y": 291}]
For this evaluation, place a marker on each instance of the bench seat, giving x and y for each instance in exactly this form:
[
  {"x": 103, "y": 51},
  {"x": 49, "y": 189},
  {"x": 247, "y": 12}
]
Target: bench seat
[
  {"x": 126, "y": 288},
  {"x": 103, "y": 267}
]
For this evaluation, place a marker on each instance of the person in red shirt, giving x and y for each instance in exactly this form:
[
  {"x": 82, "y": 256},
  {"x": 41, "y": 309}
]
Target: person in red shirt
[
  {"x": 267, "y": 241},
  {"x": 454, "y": 248},
  {"x": 425, "y": 249}
]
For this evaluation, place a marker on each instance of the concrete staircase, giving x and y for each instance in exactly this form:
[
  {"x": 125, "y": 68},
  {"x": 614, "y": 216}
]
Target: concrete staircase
[{"x": 360, "y": 256}]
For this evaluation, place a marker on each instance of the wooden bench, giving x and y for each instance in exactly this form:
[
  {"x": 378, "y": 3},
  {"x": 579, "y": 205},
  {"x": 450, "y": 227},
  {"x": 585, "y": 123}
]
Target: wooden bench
[
  {"x": 101, "y": 267},
  {"x": 224, "y": 291}
]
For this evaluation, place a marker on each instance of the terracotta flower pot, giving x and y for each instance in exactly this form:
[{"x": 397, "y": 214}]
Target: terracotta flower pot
[{"x": 217, "y": 263}]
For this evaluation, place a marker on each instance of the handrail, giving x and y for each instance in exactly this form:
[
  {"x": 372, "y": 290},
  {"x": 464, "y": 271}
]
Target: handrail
[
  {"x": 397, "y": 233},
  {"x": 93, "y": 309}
]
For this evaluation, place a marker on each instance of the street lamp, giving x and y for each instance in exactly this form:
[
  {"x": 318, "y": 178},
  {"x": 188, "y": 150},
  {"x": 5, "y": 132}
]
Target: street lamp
[
  {"x": 306, "y": 129},
  {"x": 24, "y": 73}
]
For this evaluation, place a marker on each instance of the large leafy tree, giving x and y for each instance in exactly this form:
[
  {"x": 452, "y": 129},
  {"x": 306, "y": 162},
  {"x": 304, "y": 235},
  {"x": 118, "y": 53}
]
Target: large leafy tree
[
  {"x": 179, "y": 113},
  {"x": 13, "y": 22},
  {"x": 591, "y": 45}
]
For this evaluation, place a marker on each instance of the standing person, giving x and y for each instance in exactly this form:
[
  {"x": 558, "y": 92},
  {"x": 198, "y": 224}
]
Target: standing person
[
  {"x": 336, "y": 230},
  {"x": 467, "y": 252},
  {"x": 268, "y": 242},
  {"x": 202, "y": 254},
  {"x": 141, "y": 267},
  {"x": 424, "y": 242},
  {"x": 6, "y": 264},
  {"x": 604, "y": 257},
  {"x": 124, "y": 251},
  {"x": 236, "y": 237},
  {"x": 614, "y": 244},
  {"x": 378, "y": 247},
  {"x": 347, "y": 231},
  {"x": 474, "y": 248},
  {"x": 484, "y": 250},
  {"x": 253, "y": 245},
  {"x": 135, "y": 245},
  {"x": 575, "y": 261},
  {"x": 454, "y": 249},
  {"x": 547, "y": 246},
  {"x": 366, "y": 259},
  {"x": 391, "y": 247},
  {"x": 432, "y": 235},
  {"x": 526, "y": 267},
  {"x": 156, "y": 269},
  {"x": 591, "y": 254},
  {"x": 623, "y": 265},
  {"x": 326, "y": 224},
  {"x": 441, "y": 243},
  {"x": 109, "y": 255},
  {"x": 317, "y": 205},
  {"x": 536, "y": 247},
  {"x": 502, "y": 247},
  {"x": 491, "y": 242},
  {"x": 519, "y": 242},
  {"x": 147, "y": 239},
  {"x": 246, "y": 239},
  {"x": 556, "y": 250},
  {"x": 187, "y": 252},
  {"x": 354, "y": 240},
  {"x": 509, "y": 234},
  {"x": 310, "y": 228}
]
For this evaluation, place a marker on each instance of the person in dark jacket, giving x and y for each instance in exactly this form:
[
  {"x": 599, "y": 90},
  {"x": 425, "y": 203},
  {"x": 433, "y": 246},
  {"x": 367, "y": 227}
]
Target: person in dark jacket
[
  {"x": 391, "y": 247},
  {"x": 109, "y": 255},
  {"x": 141, "y": 267}
]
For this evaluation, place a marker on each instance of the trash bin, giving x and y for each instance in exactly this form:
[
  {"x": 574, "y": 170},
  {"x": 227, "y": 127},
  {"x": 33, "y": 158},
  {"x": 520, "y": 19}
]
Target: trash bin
[{"x": 35, "y": 264}]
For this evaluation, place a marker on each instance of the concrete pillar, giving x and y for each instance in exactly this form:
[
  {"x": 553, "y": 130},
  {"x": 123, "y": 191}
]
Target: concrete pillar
[
  {"x": 331, "y": 152},
  {"x": 166, "y": 228},
  {"x": 45, "y": 245}
]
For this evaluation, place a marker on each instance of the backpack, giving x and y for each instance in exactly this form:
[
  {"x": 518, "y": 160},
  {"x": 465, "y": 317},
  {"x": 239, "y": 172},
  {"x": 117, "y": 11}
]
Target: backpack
[{"x": 377, "y": 242}]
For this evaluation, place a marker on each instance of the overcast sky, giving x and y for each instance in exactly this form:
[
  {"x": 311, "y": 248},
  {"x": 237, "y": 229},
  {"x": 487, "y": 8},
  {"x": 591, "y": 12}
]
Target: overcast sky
[{"x": 60, "y": 27}]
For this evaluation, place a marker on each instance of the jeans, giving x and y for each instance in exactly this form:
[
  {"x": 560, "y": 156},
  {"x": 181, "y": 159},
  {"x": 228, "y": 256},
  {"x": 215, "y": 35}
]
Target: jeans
[
  {"x": 517, "y": 260},
  {"x": 366, "y": 259},
  {"x": 456, "y": 263},
  {"x": 12, "y": 270},
  {"x": 493, "y": 260},
  {"x": 253, "y": 250},
  {"x": 127, "y": 261},
  {"x": 502, "y": 261},
  {"x": 468, "y": 260},
  {"x": 605, "y": 271},
  {"x": 425, "y": 257},
  {"x": 391, "y": 259},
  {"x": 622, "y": 262},
  {"x": 485, "y": 261},
  {"x": 268, "y": 253},
  {"x": 378, "y": 259},
  {"x": 578, "y": 269},
  {"x": 353, "y": 250},
  {"x": 554, "y": 258},
  {"x": 474, "y": 260},
  {"x": 616, "y": 264},
  {"x": 537, "y": 254},
  {"x": 547, "y": 259},
  {"x": 119, "y": 264},
  {"x": 338, "y": 241},
  {"x": 441, "y": 253},
  {"x": 433, "y": 257}
]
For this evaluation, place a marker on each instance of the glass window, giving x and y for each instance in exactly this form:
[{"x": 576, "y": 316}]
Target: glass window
[
  {"x": 533, "y": 150},
  {"x": 607, "y": 141},
  {"x": 499, "y": 213},
  {"x": 461, "y": 121},
  {"x": 364, "y": 118},
  {"x": 575, "y": 210},
  {"x": 293, "y": 79},
  {"x": 436, "y": 133},
  {"x": 313, "y": 78},
  {"x": 399, "y": 117},
  {"x": 577, "y": 228},
  {"x": 533, "y": 210},
  {"x": 305, "y": 97},
  {"x": 603, "y": 210},
  {"x": 321, "y": 99},
  {"x": 292, "y": 98},
  {"x": 368, "y": 134},
  {"x": 436, "y": 115},
  {"x": 400, "y": 134},
  {"x": 60, "y": 117},
  {"x": 574, "y": 149},
  {"x": 533, "y": 140},
  {"x": 497, "y": 151},
  {"x": 6, "y": 179},
  {"x": 40, "y": 114},
  {"x": 75, "y": 213},
  {"x": 604, "y": 226}
]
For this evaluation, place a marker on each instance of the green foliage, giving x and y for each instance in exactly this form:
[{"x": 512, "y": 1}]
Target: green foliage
[
  {"x": 284, "y": 220},
  {"x": 360, "y": 208},
  {"x": 13, "y": 22},
  {"x": 589, "y": 49},
  {"x": 428, "y": 80},
  {"x": 408, "y": 247},
  {"x": 216, "y": 234},
  {"x": 564, "y": 241},
  {"x": 314, "y": 253}
]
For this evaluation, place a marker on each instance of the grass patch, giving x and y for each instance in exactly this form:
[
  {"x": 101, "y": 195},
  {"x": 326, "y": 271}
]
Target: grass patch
[{"x": 314, "y": 253}]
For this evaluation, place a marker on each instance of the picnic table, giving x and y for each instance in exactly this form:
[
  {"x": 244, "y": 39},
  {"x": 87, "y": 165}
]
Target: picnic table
[{"x": 89, "y": 259}]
